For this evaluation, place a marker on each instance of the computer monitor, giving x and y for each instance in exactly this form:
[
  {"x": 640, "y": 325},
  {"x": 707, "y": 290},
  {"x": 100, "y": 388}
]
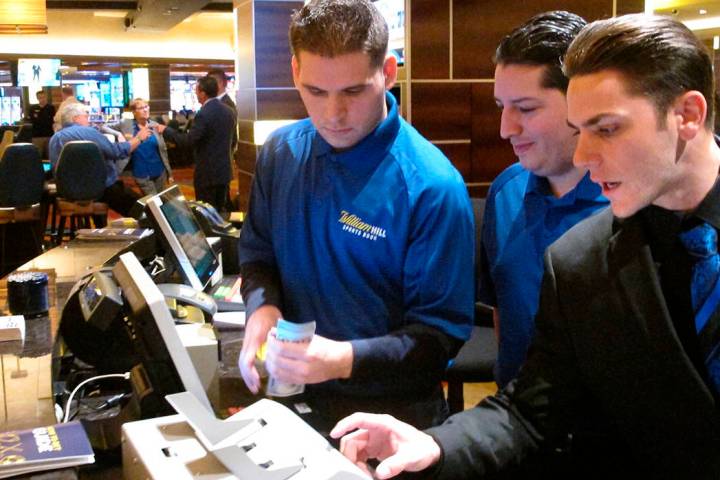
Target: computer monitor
[
  {"x": 182, "y": 236},
  {"x": 166, "y": 364}
]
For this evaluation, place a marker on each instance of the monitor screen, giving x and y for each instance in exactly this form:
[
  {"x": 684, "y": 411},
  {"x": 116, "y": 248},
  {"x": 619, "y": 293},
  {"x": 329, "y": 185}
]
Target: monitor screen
[
  {"x": 181, "y": 234},
  {"x": 116, "y": 91},
  {"x": 166, "y": 363},
  {"x": 394, "y": 13},
  {"x": 39, "y": 72}
]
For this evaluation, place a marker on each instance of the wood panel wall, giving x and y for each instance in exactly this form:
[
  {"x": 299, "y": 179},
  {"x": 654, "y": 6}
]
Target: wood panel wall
[
  {"x": 265, "y": 88},
  {"x": 451, "y": 74},
  {"x": 447, "y": 93}
]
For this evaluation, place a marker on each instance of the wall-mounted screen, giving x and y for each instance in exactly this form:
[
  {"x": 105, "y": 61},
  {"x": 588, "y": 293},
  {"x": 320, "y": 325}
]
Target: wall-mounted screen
[
  {"x": 39, "y": 72},
  {"x": 116, "y": 91}
]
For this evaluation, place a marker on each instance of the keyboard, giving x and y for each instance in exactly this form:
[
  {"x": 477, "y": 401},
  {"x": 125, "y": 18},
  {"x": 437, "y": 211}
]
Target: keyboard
[{"x": 226, "y": 294}]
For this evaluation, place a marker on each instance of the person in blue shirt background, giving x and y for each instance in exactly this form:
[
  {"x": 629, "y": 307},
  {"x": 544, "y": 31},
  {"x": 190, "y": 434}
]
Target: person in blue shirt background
[
  {"x": 358, "y": 223},
  {"x": 76, "y": 126},
  {"x": 149, "y": 162},
  {"x": 533, "y": 202}
]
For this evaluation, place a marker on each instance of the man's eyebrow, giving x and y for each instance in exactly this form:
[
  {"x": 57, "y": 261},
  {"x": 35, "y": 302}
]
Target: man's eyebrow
[
  {"x": 308, "y": 85},
  {"x": 519, "y": 100},
  {"x": 591, "y": 122},
  {"x": 349, "y": 87}
]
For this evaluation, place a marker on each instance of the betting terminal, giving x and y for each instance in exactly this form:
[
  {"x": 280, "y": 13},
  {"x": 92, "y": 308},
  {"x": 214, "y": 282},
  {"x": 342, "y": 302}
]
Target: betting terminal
[{"x": 147, "y": 353}]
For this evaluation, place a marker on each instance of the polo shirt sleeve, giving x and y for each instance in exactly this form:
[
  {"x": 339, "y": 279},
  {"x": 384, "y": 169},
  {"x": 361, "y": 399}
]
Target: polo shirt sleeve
[
  {"x": 439, "y": 273},
  {"x": 486, "y": 286},
  {"x": 438, "y": 292},
  {"x": 261, "y": 284},
  {"x": 111, "y": 151}
]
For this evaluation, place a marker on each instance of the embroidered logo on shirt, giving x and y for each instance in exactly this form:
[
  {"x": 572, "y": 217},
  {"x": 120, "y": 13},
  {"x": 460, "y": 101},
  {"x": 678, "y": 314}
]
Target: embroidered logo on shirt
[{"x": 355, "y": 225}]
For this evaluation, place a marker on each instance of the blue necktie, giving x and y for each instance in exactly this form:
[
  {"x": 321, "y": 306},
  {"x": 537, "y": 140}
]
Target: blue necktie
[{"x": 701, "y": 243}]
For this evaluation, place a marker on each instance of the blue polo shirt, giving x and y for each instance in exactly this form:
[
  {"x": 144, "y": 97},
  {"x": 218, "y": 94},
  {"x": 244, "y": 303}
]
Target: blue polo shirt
[
  {"x": 522, "y": 218},
  {"x": 146, "y": 161},
  {"x": 112, "y": 152},
  {"x": 368, "y": 240}
]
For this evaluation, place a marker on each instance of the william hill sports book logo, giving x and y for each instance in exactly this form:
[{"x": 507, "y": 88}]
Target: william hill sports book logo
[{"x": 355, "y": 225}]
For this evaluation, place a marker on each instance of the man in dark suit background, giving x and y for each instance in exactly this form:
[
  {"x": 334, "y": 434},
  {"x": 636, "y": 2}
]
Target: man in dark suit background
[
  {"x": 623, "y": 375},
  {"x": 222, "y": 80},
  {"x": 210, "y": 138},
  {"x": 225, "y": 98}
]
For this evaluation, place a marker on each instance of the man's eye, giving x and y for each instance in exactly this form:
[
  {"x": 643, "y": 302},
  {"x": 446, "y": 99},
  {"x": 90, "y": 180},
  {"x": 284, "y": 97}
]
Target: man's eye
[
  {"x": 526, "y": 109},
  {"x": 607, "y": 130},
  {"x": 315, "y": 91}
]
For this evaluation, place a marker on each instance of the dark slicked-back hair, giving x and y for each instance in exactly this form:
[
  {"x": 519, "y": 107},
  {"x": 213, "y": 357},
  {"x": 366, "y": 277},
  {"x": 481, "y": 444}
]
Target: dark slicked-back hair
[
  {"x": 542, "y": 41},
  {"x": 209, "y": 85},
  {"x": 219, "y": 75},
  {"x": 336, "y": 27},
  {"x": 660, "y": 58}
]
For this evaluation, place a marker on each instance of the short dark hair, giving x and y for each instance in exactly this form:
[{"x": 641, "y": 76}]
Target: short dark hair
[
  {"x": 336, "y": 27},
  {"x": 208, "y": 85},
  {"x": 542, "y": 41},
  {"x": 219, "y": 75},
  {"x": 659, "y": 57},
  {"x": 40, "y": 92}
]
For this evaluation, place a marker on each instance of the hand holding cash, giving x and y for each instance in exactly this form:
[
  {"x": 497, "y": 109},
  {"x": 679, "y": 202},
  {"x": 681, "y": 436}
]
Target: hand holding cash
[{"x": 296, "y": 356}]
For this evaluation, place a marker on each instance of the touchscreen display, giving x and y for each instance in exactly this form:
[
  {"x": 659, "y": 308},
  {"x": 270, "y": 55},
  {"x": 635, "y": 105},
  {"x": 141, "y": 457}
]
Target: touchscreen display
[
  {"x": 91, "y": 294},
  {"x": 188, "y": 233}
]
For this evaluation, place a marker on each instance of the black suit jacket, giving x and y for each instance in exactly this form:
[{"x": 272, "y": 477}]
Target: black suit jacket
[
  {"x": 210, "y": 138},
  {"x": 608, "y": 390},
  {"x": 226, "y": 100}
]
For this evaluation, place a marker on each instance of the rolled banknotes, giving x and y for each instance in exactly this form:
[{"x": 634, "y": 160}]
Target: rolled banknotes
[{"x": 290, "y": 332}]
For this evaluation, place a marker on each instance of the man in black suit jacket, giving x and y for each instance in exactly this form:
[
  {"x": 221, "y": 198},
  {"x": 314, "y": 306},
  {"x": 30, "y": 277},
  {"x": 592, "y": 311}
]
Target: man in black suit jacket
[
  {"x": 210, "y": 138},
  {"x": 224, "y": 97},
  {"x": 618, "y": 383}
]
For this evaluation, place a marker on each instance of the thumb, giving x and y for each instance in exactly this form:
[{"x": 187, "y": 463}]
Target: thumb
[{"x": 391, "y": 466}]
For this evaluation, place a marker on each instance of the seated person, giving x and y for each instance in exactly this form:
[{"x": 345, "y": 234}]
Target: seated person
[
  {"x": 358, "y": 223},
  {"x": 148, "y": 162},
  {"x": 76, "y": 126}
]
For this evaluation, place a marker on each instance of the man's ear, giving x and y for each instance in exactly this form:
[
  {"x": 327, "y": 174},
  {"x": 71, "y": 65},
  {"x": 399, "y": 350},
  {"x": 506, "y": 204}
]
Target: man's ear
[
  {"x": 295, "y": 64},
  {"x": 690, "y": 109},
  {"x": 390, "y": 68}
]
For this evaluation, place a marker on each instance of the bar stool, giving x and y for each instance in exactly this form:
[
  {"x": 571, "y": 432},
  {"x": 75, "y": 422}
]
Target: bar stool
[
  {"x": 21, "y": 189},
  {"x": 80, "y": 181}
]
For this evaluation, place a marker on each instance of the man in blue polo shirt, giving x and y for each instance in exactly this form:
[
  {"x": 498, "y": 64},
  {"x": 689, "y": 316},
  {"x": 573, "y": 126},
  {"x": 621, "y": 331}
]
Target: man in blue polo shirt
[
  {"x": 357, "y": 223},
  {"x": 535, "y": 201},
  {"x": 76, "y": 126}
]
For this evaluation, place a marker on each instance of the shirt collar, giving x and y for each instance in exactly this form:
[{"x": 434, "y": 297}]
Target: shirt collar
[
  {"x": 709, "y": 208},
  {"x": 586, "y": 189},
  {"x": 371, "y": 149},
  {"x": 663, "y": 226}
]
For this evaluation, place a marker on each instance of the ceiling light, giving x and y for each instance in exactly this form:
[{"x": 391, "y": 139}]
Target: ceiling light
[
  {"x": 23, "y": 16},
  {"x": 702, "y": 11},
  {"x": 110, "y": 13},
  {"x": 703, "y": 23}
]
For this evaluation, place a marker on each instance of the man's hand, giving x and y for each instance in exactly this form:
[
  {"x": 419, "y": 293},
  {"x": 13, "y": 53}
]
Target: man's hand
[
  {"x": 314, "y": 361},
  {"x": 399, "y": 447},
  {"x": 256, "y": 331},
  {"x": 143, "y": 134},
  {"x": 160, "y": 128}
]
